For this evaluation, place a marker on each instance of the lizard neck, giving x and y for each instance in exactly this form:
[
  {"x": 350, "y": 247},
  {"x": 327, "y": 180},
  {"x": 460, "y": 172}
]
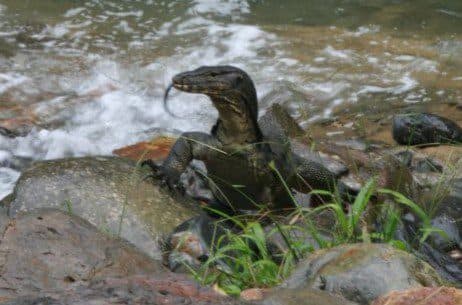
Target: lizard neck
[{"x": 235, "y": 124}]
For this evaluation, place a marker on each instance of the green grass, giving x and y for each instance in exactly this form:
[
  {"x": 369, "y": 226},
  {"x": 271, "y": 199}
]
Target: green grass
[{"x": 243, "y": 260}]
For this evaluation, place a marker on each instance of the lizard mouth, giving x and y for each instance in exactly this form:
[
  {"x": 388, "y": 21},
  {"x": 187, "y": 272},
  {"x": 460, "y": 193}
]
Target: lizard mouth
[{"x": 182, "y": 87}]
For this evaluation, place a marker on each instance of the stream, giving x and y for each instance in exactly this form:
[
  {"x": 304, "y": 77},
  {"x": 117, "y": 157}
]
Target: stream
[{"x": 84, "y": 78}]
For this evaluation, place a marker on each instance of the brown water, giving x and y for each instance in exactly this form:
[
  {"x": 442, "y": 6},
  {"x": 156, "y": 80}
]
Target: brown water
[{"x": 90, "y": 75}]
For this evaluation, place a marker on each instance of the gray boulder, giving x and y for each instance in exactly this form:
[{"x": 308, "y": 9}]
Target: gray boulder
[
  {"x": 425, "y": 128},
  {"x": 362, "y": 272},
  {"x": 111, "y": 193}
]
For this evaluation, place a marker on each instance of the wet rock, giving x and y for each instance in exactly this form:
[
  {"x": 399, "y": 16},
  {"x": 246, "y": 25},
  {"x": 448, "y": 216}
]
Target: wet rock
[
  {"x": 447, "y": 154},
  {"x": 303, "y": 296},
  {"x": 424, "y": 128},
  {"x": 16, "y": 127},
  {"x": 426, "y": 171},
  {"x": 445, "y": 205},
  {"x": 50, "y": 250},
  {"x": 422, "y": 296},
  {"x": 297, "y": 233},
  {"x": 109, "y": 192},
  {"x": 191, "y": 243},
  {"x": 17, "y": 163},
  {"x": 355, "y": 144},
  {"x": 134, "y": 291},
  {"x": 254, "y": 294},
  {"x": 157, "y": 149},
  {"x": 52, "y": 257},
  {"x": 405, "y": 157},
  {"x": 362, "y": 272},
  {"x": 428, "y": 165},
  {"x": 452, "y": 235},
  {"x": 435, "y": 249}
]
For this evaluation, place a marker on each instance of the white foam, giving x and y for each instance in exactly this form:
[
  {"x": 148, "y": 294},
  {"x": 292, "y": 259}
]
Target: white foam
[
  {"x": 8, "y": 178},
  {"x": 10, "y": 80},
  {"x": 450, "y": 13},
  {"x": 406, "y": 83},
  {"x": 362, "y": 30},
  {"x": 123, "y": 25},
  {"x": 138, "y": 14},
  {"x": 404, "y": 58},
  {"x": 57, "y": 31},
  {"x": 74, "y": 12},
  {"x": 244, "y": 40},
  {"x": 129, "y": 97},
  {"x": 329, "y": 109},
  {"x": 221, "y": 7},
  {"x": 4, "y": 155},
  {"x": 340, "y": 54}
]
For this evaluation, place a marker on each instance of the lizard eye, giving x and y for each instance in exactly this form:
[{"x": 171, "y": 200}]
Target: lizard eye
[{"x": 213, "y": 74}]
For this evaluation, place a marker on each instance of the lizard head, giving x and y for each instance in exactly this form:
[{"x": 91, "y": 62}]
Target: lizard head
[{"x": 231, "y": 90}]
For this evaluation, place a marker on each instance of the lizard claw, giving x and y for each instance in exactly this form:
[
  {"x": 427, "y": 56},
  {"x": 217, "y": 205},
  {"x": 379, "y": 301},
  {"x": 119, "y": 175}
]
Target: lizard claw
[{"x": 166, "y": 180}]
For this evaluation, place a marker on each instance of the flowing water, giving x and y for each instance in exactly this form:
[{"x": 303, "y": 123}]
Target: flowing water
[{"x": 89, "y": 76}]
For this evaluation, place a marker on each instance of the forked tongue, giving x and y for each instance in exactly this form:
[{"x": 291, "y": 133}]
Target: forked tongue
[{"x": 167, "y": 91}]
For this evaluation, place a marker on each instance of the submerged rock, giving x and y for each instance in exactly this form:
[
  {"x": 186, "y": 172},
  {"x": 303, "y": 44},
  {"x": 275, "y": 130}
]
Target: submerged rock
[
  {"x": 362, "y": 272},
  {"x": 422, "y": 296},
  {"x": 424, "y": 128},
  {"x": 109, "y": 192}
]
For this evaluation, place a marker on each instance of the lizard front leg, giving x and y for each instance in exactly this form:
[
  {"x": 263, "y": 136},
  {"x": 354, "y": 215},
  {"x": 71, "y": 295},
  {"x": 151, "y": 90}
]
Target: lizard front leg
[{"x": 189, "y": 146}]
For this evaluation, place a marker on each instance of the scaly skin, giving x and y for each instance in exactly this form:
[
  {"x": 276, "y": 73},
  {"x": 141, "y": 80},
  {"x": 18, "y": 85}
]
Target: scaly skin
[{"x": 238, "y": 152}]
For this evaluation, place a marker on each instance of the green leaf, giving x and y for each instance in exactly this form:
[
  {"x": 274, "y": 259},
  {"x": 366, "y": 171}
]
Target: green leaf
[{"x": 359, "y": 205}]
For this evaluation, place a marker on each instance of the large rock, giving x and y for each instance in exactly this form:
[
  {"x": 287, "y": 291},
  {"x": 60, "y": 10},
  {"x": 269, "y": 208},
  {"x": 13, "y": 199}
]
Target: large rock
[
  {"x": 422, "y": 296},
  {"x": 445, "y": 205},
  {"x": 50, "y": 250},
  {"x": 108, "y": 192},
  {"x": 424, "y": 128},
  {"x": 157, "y": 149},
  {"x": 362, "y": 272},
  {"x": 303, "y": 296},
  {"x": 52, "y": 257},
  {"x": 163, "y": 289}
]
